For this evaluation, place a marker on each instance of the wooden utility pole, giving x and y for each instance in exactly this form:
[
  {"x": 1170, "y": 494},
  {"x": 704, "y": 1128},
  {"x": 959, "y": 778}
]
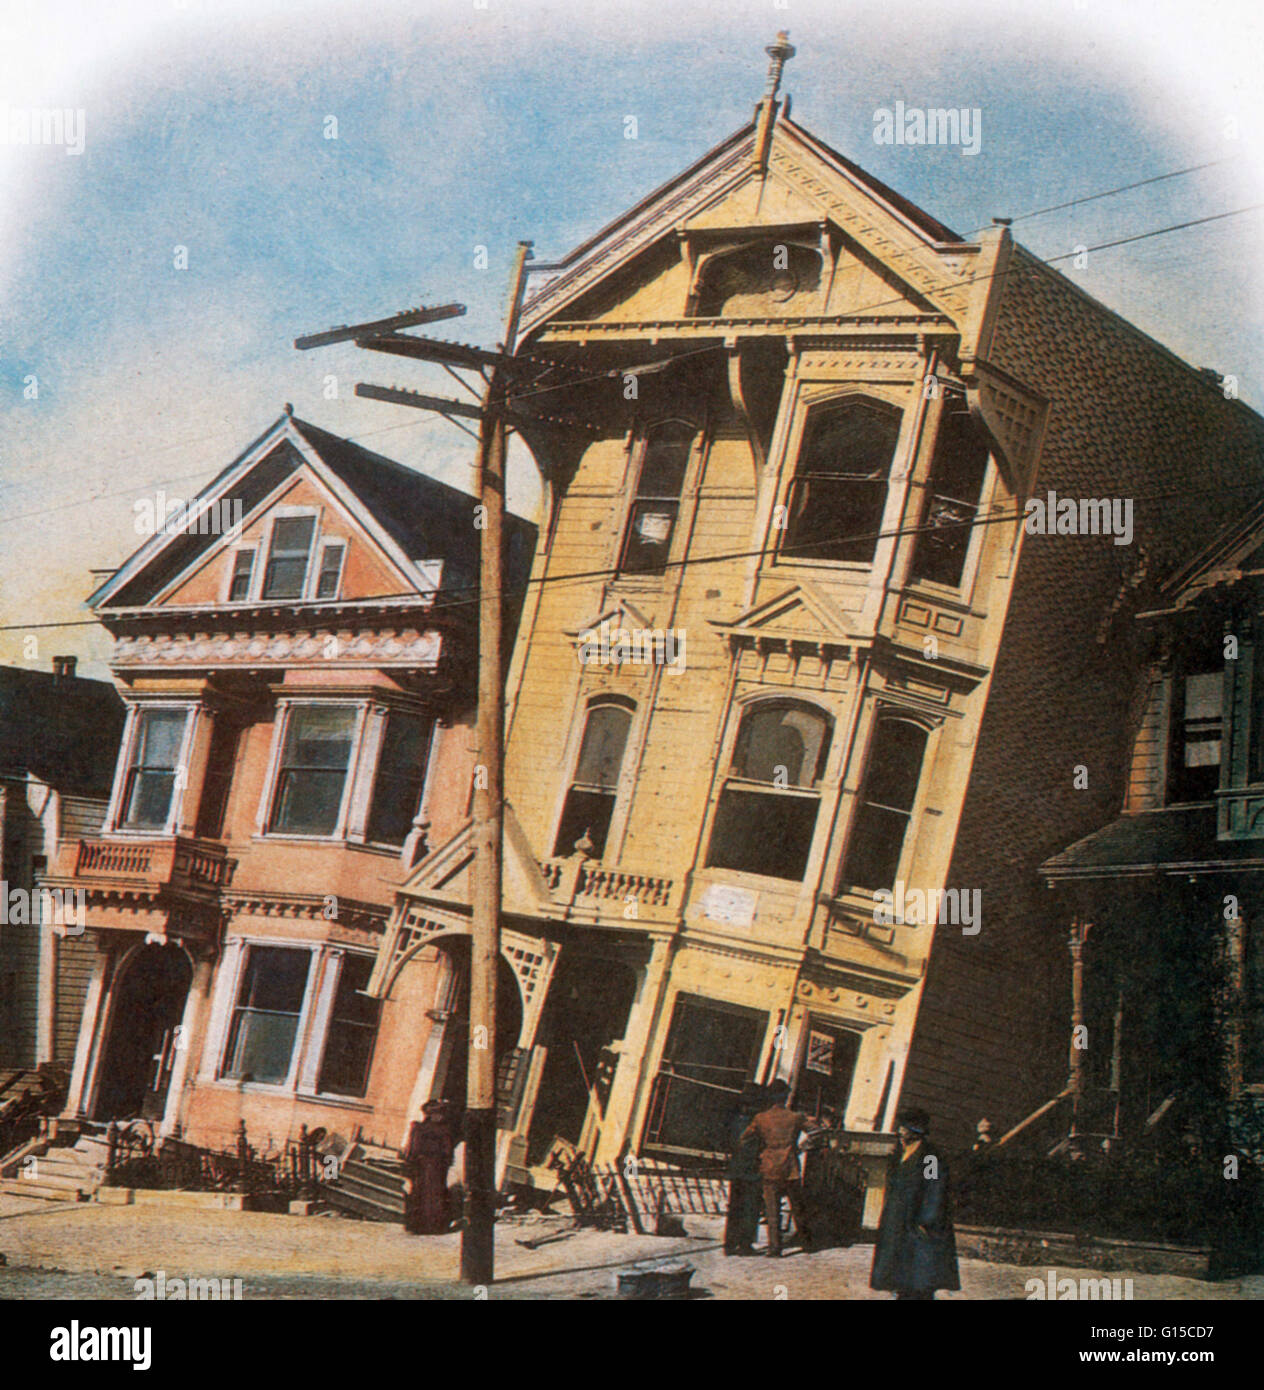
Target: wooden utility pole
[
  {"x": 495, "y": 412},
  {"x": 477, "y": 1237}
]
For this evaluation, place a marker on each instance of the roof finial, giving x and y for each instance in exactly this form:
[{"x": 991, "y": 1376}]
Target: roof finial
[{"x": 779, "y": 54}]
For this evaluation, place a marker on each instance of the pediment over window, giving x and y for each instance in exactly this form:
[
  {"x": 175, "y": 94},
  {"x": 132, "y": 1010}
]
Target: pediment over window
[
  {"x": 620, "y": 615},
  {"x": 801, "y": 616}
]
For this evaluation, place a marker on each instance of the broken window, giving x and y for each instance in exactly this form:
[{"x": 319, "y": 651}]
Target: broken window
[
  {"x": 712, "y": 1050},
  {"x": 151, "y": 775},
  {"x": 1197, "y": 725},
  {"x": 595, "y": 786},
  {"x": 352, "y": 1031},
  {"x": 313, "y": 769},
  {"x": 265, "y": 1020},
  {"x": 652, "y": 519},
  {"x": 839, "y": 491},
  {"x": 886, "y": 805},
  {"x": 286, "y": 572},
  {"x": 766, "y": 815},
  {"x": 957, "y": 470},
  {"x": 401, "y": 773}
]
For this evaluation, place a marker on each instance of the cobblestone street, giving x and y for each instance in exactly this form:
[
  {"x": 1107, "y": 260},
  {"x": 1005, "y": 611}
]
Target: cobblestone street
[{"x": 64, "y": 1250}]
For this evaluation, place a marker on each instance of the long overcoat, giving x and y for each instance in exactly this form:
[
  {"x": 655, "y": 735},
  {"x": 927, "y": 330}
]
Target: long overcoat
[{"x": 916, "y": 1250}]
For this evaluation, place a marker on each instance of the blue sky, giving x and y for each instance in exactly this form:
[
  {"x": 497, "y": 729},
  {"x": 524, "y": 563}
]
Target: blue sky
[{"x": 461, "y": 127}]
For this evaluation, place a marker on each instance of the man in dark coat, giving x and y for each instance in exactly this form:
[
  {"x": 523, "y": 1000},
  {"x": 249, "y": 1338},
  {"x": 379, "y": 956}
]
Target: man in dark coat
[
  {"x": 916, "y": 1250},
  {"x": 743, "y": 1175},
  {"x": 777, "y": 1128}
]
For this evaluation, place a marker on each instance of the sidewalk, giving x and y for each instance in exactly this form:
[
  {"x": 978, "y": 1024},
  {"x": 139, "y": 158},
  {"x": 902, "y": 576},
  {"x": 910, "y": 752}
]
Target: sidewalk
[{"x": 335, "y": 1257}]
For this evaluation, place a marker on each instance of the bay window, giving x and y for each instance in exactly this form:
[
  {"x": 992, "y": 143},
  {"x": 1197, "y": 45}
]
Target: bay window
[
  {"x": 312, "y": 775},
  {"x": 886, "y": 802},
  {"x": 150, "y": 782},
  {"x": 767, "y": 812},
  {"x": 266, "y": 1015},
  {"x": 839, "y": 492},
  {"x": 401, "y": 774}
]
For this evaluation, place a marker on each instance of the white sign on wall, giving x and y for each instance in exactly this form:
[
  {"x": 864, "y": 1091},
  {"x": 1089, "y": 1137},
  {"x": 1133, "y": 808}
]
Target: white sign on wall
[{"x": 733, "y": 906}]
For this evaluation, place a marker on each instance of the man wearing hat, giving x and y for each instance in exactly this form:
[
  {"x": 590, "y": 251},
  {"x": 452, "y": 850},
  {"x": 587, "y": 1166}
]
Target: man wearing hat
[
  {"x": 777, "y": 1128},
  {"x": 916, "y": 1251}
]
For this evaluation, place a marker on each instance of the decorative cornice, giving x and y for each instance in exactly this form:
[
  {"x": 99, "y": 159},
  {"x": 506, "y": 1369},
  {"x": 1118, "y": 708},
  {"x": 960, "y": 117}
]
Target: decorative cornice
[{"x": 324, "y": 648}]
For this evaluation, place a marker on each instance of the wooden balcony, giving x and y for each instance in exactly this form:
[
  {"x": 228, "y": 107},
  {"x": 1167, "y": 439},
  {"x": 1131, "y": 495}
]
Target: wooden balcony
[
  {"x": 598, "y": 892},
  {"x": 174, "y": 862}
]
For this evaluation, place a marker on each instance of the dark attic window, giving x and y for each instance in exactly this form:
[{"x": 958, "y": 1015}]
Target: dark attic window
[
  {"x": 957, "y": 470},
  {"x": 766, "y": 815},
  {"x": 839, "y": 490}
]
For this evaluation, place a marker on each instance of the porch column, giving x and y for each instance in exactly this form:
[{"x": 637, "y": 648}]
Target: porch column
[
  {"x": 88, "y": 1041},
  {"x": 1235, "y": 1002},
  {"x": 192, "y": 1033},
  {"x": 630, "y": 1091},
  {"x": 1076, "y": 1070},
  {"x": 189, "y": 798}
]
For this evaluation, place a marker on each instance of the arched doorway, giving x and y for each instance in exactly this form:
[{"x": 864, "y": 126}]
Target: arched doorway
[
  {"x": 453, "y": 1070},
  {"x": 148, "y": 1004}
]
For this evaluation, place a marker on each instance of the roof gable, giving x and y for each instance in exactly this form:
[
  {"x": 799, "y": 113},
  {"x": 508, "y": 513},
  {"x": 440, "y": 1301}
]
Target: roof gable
[
  {"x": 417, "y": 533},
  {"x": 805, "y": 182}
]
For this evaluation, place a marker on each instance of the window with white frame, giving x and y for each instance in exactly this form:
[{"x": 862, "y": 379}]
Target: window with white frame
[
  {"x": 265, "y": 1021},
  {"x": 285, "y": 574},
  {"x": 766, "y": 816},
  {"x": 312, "y": 774},
  {"x": 149, "y": 784}
]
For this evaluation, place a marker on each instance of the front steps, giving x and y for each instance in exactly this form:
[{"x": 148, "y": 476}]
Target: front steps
[
  {"x": 58, "y": 1173},
  {"x": 372, "y": 1189}
]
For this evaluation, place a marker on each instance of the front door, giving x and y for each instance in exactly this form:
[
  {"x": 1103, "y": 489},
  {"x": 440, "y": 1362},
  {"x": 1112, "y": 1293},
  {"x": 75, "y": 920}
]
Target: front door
[
  {"x": 825, "y": 1074},
  {"x": 145, "y": 1012}
]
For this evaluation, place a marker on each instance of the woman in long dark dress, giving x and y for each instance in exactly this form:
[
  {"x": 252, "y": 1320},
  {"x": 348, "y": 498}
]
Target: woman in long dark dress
[{"x": 427, "y": 1158}]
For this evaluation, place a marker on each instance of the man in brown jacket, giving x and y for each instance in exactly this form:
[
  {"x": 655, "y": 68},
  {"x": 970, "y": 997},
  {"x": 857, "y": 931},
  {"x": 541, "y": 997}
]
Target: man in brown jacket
[{"x": 778, "y": 1129}]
